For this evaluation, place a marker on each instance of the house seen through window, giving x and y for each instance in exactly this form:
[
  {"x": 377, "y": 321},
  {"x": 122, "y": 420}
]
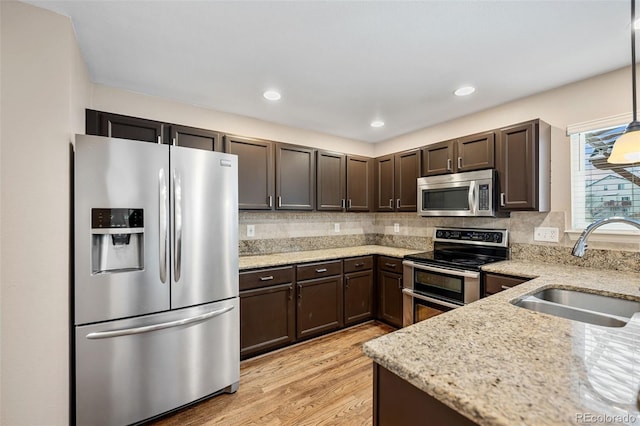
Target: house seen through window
[{"x": 600, "y": 189}]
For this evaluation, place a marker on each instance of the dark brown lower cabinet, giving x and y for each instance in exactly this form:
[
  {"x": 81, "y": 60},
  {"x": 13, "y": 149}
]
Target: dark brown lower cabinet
[
  {"x": 358, "y": 297},
  {"x": 390, "y": 297},
  {"x": 267, "y": 318},
  {"x": 319, "y": 306},
  {"x": 495, "y": 283},
  {"x": 398, "y": 402}
]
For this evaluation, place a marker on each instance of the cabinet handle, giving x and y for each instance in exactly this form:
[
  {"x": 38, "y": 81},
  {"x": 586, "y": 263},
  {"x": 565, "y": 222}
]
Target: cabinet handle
[
  {"x": 160, "y": 139},
  {"x": 358, "y": 265},
  {"x": 279, "y": 201},
  {"x": 270, "y": 201},
  {"x": 390, "y": 265},
  {"x": 459, "y": 162},
  {"x": 290, "y": 292},
  {"x": 343, "y": 203},
  {"x": 346, "y": 283},
  {"x": 299, "y": 291},
  {"x": 390, "y": 203},
  {"x": 174, "y": 141},
  {"x": 321, "y": 270},
  {"x": 398, "y": 203},
  {"x": 502, "y": 199},
  {"x": 449, "y": 164},
  {"x": 349, "y": 203},
  {"x": 506, "y": 287},
  {"x": 400, "y": 283},
  {"x": 269, "y": 278}
]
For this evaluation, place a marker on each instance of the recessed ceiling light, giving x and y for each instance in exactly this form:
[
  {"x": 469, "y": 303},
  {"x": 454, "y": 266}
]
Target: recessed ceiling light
[
  {"x": 377, "y": 123},
  {"x": 464, "y": 91},
  {"x": 272, "y": 95}
]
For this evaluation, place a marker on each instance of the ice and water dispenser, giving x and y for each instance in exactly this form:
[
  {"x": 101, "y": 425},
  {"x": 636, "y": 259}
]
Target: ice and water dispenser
[{"x": 117, "y": 240}]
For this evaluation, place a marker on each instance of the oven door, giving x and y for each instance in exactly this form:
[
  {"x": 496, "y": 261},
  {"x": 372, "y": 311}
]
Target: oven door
[
  {"x": 419, "y": 307},
  {"x": 455, "y": 286}
]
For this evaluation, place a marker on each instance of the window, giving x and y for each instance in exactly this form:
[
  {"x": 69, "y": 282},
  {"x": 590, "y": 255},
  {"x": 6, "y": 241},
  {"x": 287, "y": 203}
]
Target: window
[{"x": 600, "y": 189}]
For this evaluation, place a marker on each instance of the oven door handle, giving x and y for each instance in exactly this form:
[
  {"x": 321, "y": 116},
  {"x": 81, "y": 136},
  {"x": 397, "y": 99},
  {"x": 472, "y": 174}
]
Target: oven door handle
[
  {"x": 442, "y": 270},
  {"x": 412, "y": 293}
]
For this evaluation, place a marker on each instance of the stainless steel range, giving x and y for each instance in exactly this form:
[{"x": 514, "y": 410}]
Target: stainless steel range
[{"x": 449, "y": 276}]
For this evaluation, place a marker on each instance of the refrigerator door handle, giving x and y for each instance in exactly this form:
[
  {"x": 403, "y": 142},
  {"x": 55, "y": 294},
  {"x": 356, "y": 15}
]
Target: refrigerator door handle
[
  {"x": 162, "y": 187},
  {"x": 160, "y": 326},
  {"x": 177, "y": 216}
]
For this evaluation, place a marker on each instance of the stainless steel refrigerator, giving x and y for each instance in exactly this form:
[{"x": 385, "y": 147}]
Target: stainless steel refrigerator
[{"x": 156, "y": 310}]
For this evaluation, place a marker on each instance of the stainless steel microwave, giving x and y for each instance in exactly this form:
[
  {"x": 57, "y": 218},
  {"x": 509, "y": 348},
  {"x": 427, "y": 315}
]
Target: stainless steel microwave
[{"x": 458, "y": 194}]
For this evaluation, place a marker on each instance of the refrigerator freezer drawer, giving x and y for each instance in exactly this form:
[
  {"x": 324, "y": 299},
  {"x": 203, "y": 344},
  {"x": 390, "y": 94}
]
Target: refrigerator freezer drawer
[{"x": 131, "y": 370}]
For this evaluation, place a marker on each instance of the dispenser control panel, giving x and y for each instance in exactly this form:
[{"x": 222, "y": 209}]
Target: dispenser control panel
[{"x": 116, "y": 218}]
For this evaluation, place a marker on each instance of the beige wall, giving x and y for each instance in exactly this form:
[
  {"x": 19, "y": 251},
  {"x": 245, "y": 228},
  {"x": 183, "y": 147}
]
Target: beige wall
[
  {"x": 44, "y": 90},
  {"x": 123, "y": 102}
]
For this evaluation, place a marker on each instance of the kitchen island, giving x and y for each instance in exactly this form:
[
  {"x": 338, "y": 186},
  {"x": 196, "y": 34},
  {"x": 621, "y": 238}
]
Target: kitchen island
[{"x": 498, "y": 364}]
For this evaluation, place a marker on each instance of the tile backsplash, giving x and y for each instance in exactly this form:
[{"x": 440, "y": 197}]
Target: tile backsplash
[{"x": 277, "y": 232}]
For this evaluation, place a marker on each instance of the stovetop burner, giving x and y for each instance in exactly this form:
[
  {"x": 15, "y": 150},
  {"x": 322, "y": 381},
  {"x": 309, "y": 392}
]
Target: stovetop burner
[{"x": 465, "y": 249}]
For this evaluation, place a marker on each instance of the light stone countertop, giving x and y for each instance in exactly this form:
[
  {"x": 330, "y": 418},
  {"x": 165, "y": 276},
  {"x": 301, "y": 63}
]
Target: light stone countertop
[
  {"x": 262, "y": 261},
  {"x": 499, "y": 364}
]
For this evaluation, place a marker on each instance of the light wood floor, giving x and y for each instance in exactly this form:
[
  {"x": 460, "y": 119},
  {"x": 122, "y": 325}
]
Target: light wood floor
[{"x": 325, "y": 381}]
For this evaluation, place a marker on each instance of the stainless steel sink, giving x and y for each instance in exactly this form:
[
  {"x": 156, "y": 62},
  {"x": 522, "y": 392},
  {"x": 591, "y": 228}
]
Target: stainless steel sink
[{"x": 576, "y": 305}]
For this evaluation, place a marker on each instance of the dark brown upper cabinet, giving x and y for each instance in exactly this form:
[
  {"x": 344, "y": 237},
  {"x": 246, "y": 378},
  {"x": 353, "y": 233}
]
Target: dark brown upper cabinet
[
  {"x": 396, "y": 181},
  {"x": 101, "y": 123},
  {"x": 523, "y": 163},
  {"x": 473, "y": 152},
  {"x": 191, "y": 137},
  {"x": 331, "y": 169},
  {"x": 384, "y": 184},
  {"x": 359, "y": 183},
  {"x": 295, "y": 177},
  {"x": 255, "y": 171}
]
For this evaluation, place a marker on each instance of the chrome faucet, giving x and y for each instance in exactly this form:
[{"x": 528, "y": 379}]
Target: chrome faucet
[{"x": 581, "y": 245}]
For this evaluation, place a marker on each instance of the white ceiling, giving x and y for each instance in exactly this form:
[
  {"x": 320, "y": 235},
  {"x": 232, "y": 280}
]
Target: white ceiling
[{"x": 341, "y": 64}]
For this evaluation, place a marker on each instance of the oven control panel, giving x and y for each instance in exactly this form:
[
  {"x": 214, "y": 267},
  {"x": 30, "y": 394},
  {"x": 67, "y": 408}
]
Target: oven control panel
[{"x": 490, "y": 236}]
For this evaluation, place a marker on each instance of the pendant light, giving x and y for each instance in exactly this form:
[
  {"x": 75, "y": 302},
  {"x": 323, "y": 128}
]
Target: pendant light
[{"x": 626, "y": 149}]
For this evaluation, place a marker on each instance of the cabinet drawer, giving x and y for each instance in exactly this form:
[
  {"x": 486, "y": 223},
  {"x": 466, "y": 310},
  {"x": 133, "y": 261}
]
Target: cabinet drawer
[
  {"x": 265, "y": 277},
  {"x": 361, "y": 263},
  {"x": 319, "y": 270},
  {"x": 390, "y": 264},
  {"x": 496, "y": 283}
]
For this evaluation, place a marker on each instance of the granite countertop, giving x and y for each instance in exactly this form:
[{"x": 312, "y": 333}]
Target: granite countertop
[
  {"x": 499, "y": 364},
  {"x": 261, "y": 261}
]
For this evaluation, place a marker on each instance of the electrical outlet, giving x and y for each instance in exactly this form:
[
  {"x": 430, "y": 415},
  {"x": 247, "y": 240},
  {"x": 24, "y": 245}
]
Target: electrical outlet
[
  {"x": 251, "y": 230},
  {"x": 396, "y": 227},
  {"x": 336, "y": 227},
  {"x": 546, "y": 234}
]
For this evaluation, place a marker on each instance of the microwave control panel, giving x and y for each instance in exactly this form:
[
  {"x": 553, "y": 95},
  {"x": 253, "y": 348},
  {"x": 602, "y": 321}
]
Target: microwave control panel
[{"x": 484, "y": 201}]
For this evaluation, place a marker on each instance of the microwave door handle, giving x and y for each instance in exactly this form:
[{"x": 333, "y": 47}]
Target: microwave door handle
[{"x": 472, "y": 197}]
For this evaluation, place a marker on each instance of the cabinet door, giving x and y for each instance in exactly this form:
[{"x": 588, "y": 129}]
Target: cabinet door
[
  {"x": 295, "y": 177},
  {"x": 267, "y": 318},
  {"x": 384, "y": 186},
  {"x": 518, "y": 167},
  {"x": 390, "y": 298},
  {"x": 407, "y": 172},
  {"x": 437, "y": 158},
  {"x": 124, "y": 127},
  {"x": 255, "y": 171},
  {"x": 191, "y": 137},
  {"x": 495, "y": 283},
  {"x": 359, "y": 183},
  {"x": 331, "y": 181},
  {"x": 320, "y": 306},
  {"x": 475, "y": 152},
  {"x": 358, "y": 296}
]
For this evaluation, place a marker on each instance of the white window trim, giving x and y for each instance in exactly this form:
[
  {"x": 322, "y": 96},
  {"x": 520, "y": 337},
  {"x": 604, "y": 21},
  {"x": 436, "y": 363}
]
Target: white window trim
[{"x": 629, "y": 235}]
